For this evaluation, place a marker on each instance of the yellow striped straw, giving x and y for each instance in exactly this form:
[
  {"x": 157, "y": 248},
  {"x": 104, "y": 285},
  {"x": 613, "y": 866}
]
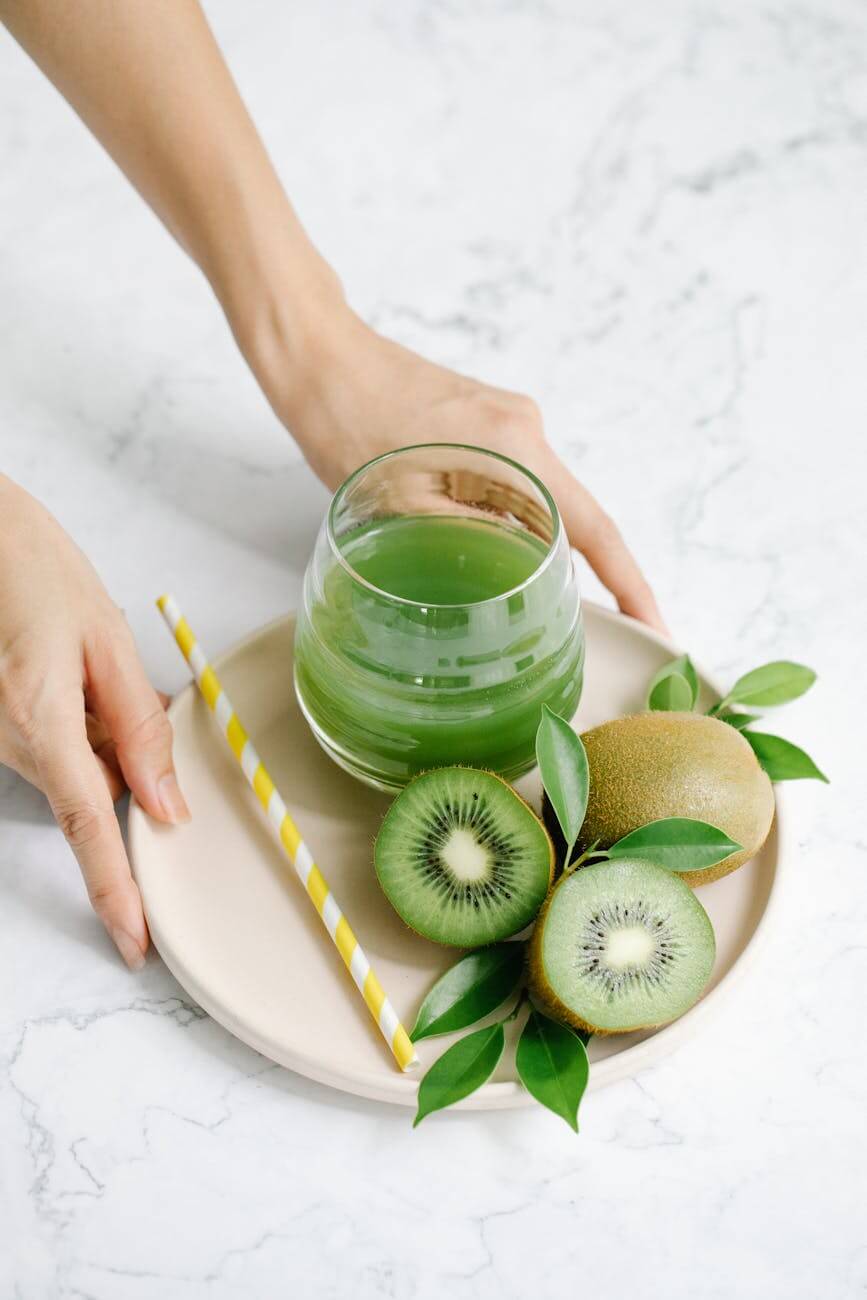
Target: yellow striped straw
[{"x": 290, "y": 837}]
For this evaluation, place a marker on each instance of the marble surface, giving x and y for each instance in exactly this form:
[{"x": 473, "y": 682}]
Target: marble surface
[{"x": 654, "y": 219}]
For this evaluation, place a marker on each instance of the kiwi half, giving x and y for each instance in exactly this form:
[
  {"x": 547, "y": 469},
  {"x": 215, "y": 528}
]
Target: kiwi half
[
  {"x": 462, "y": 859},
  {"x": 620, "y": 945}
]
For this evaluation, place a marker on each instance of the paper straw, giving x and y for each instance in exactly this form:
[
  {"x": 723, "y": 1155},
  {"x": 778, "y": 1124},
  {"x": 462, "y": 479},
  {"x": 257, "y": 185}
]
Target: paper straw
[{"x": 290, "y": 837}]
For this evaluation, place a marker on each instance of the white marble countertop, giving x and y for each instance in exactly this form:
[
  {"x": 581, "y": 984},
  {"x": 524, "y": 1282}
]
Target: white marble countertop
[{"x": 655, "y": 220}]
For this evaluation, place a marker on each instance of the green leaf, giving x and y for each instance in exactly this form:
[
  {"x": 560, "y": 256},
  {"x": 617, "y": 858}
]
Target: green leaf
[
  {"x": 681, "y": 667},
  {"x": 774, "y": 683},
  {"x": 460, "y": 1070},
  {"x": 679, "y": 843},
  {"x": 552, "y": 1065},
  {"x": 671, "y": 694},
  {"x": 565, "y": 776},
  {"x": 782, "y": 760},
  {"x": 472, "y": 988},
  {"x": 736, "y": 720}
]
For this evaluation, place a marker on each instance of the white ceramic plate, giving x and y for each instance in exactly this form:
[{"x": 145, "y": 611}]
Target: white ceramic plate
[{"x": 233, "y": 924}]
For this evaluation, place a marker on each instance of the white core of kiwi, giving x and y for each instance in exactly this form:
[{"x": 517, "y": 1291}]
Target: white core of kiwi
[
  {"x": 467, "y": 859},
  {"x": 628, "y": 947}
]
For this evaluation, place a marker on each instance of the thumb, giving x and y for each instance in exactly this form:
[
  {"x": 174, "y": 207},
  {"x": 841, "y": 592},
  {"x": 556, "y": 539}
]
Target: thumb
[
  {"x": 133, "y": 714},
  {"x": 598, "y": 538}
]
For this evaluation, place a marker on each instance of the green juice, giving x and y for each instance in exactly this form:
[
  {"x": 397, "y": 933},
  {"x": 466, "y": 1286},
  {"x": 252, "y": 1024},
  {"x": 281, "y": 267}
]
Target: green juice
[
  {"x": 437, "y": 642},
  {"x": 434, "y": 560}
]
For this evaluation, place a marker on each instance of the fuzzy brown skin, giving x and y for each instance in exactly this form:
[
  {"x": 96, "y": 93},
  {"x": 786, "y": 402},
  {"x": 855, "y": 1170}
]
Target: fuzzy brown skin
[{"x": 653, "y": 765}]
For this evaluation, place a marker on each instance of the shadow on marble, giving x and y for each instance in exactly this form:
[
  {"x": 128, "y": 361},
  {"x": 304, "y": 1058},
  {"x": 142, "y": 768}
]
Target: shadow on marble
[
  {"x": 52, "y": 909},
  {"x": 288, "y": 1084},
  {"x": 22, "y": 802}
]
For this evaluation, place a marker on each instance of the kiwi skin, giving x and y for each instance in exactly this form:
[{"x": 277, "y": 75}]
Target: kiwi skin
[
  {"x": 544, "y": 995},
  {"x": 552, "y": 856},
  {"x": 653, "y": 765}
]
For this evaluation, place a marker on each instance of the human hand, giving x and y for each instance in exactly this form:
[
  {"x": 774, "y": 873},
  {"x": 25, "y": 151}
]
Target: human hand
[
  {"x": 78, "y": 717},
  {"x": 345, "y": 393},
  {"x": 357, "y": 395}
]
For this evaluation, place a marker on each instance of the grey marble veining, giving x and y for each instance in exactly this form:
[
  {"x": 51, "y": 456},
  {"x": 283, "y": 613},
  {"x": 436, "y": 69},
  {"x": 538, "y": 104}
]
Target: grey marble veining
[{"x": 654, "y": 219}]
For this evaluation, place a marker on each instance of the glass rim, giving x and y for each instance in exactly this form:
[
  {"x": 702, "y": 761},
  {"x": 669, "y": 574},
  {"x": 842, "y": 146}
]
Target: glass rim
[{"x": 428, "y": 446}]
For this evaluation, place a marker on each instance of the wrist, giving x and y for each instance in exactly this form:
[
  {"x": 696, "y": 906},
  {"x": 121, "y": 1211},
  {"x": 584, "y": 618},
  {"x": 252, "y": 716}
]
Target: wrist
[
  {"x": 290, "y": 324},
  {"x": 304, "y": 344}
]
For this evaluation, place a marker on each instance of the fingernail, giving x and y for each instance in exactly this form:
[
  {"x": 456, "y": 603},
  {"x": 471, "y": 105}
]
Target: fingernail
[
  {"x": 174, "y": 804},
  {"x": 128, "y": 949}
]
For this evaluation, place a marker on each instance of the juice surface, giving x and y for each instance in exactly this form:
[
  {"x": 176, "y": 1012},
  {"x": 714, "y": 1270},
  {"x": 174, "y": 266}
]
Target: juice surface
[
  {"x": 436, "y": 560},
  {"x": 393, "y": 688}
]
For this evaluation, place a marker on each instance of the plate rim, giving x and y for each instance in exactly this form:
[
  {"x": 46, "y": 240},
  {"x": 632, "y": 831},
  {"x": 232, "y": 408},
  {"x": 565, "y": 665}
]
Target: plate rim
[{"x": 395, "y": 1087}]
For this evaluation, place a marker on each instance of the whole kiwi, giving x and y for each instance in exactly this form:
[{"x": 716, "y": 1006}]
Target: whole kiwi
[{"x": 652, "y": 765}]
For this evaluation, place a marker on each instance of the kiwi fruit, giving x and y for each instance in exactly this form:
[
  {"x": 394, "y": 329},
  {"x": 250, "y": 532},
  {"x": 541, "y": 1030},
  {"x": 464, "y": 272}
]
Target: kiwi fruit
[
  {"x": 462, "y": 859},
  {"x": 654, "y": 765},
  {"x": 620, "y": 945}
]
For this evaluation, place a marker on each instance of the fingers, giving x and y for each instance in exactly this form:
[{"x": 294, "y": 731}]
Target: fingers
[
  {"x": 134, "y": 717},
  {"x": 598, "y": 538},
  {"x": 112, "y": 777},
  {"x": 69, "y": 774},
  {"x": 106, "y": 755},
  {"x": 106, "y": 751}
]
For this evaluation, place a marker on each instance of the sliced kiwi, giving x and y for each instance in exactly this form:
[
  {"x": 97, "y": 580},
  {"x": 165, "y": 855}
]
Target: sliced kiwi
[
  {"x": 621, "y": 945},
  {"x": 462, "y": 859}
]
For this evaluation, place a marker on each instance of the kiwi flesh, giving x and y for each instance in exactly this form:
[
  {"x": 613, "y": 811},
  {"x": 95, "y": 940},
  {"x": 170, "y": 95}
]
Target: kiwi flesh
[
  {"x": 620, "y": 945},
  {"x": 462, "y": 859},
  {"x": 653, "y": 765}
]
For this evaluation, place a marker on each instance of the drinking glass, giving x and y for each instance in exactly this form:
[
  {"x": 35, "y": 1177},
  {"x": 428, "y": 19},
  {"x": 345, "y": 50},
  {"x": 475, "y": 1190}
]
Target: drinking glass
[{"x": 440, "y": 612}]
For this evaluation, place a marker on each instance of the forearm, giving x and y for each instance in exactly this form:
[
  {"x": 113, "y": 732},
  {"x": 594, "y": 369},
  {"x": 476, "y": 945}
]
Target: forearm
[{"x": 148, "y": 79}]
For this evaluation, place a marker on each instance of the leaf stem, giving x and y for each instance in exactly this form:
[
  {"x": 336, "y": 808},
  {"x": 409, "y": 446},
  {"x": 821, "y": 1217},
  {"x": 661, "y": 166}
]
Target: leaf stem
[
  {"x": 513, "y": 1014},
  {"x": 584, "y": 857}
]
